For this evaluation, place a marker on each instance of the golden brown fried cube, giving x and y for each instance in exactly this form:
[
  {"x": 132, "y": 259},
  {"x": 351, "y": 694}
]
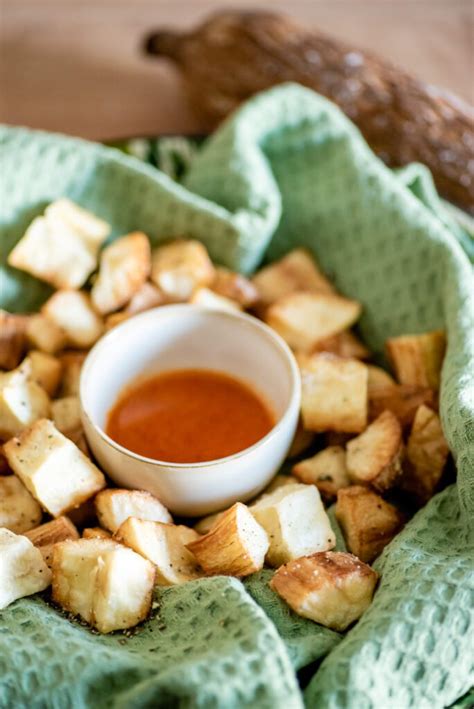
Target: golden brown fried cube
[
  {"x": 12, "y": 339},
  {"x": 46, "y": 536},
  {"x": 375, "y": 456},
  {"x": 304, "y": 319},
  {"x": 124, "y": 267},
  {"x": 344, "y": 344},
  {"x": 148, "y": 296},
  {"x": 22, "y": 401},
  {"x": 95, "y": 533},
  {"x": 181, "y": 267},
  {"x": 115, "y": 506},
  {"x": 368, "y": 522},
  {"x": 295, "y": 521},
  {"x": 427, "y": 452},
  {"x": 53, "y": 253},
  {"x": 165, "y": 545},
  {"x": 205, "y": 524},
  {"x": 105, "y": 583},
  {"x": 334, "y": 394},
  {"x": 115, "y": 319},
  {"x": 52, "y": 468},
  {"x": 61, "y": 246},
  {"x": 73, "y": 313},
  {"x": 297, "y": 271},
  {"x": 58, "y": 530},
  {"x": 235, "y": 546},
  {"x": 332, "y": 588},
  {"x": 327, "y": 470},
  {"x": 378, "y": 378},
  {"x": 403, "y": 400},
  {"x": 417, "y": 359},
  {"x": 276, "y": 483},
  {"x": 45, "y": 335},
  {"x": 71, "y": 363},
  {"x": 208, "y": 299},
  {"x": 235, "y": 287},
  {"x": 301, "y": 441},
  {"x": 66, "y": 414},
  {"x": 19, "y": 511},
  {"x": 46, "y": 370},
  {"x": 22, "y": 569}
]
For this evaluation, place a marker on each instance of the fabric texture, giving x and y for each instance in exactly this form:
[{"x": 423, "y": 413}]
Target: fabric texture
[{"x": 288, "y": 169}]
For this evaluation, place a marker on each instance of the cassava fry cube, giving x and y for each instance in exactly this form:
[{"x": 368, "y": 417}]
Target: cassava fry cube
[
  {"x": 53, "y": 469},
  {"x": 46, "y": 370},
  {"x": 179, "y": 268},
  {"x": 236, "y": 544},
  {"x": 115, "y": 319},
  {"x": 276, "y": 483},
  {"x": 235, "y": 287},
  {"x": 301, "y": 441},
  {"x": 378, "y": 378},
  {"x": 164, "y": 545},
  {"x": 334, "y": 394},
  {"x": 208, "y": 299},
  {"x": 66, "y": 414},
  {"x": 93, "y": 230},
  {"x": 327, "y": 470},
  {"x": 148, "y": 296},
  {"x": 375, "y": 457},
  {"x": 22, "y": 401},
  {"x": 58, "y": 530},
  {"x": 61, "y": 247},
  {"x": 124, "y": 268},
  {"x": 53, "y": 253},
  {"x": 344, "y": 344},
  {"x": 22, "y": 569},
  {"x": 417, "y": 359},
  {"x": 295, "y": 521},
  {"x": 103, "y": 582},
  {"x": 113, "y": 507},
  {"x": 19, "y": 511},
  {"x": 84, "y": 515},
  {"x": 43, "y": 334},
  {"x": 72, "y": 364},
  {"x": 95, "y": 533},
  {"x": 403, "y": 400},
  {"x": 303, "y": 319},
  {"x": 331, "y": 588},
  {"x": 73, "y": 313},
  {"x": 368, "y": 522},
  {"x": 297, "y": 271},
  {"x": 205, "y": 524},
  {"x": 427, "y": 452},
  {"x": 12, "y": 339},
  {"x": 47, "y": 535}
]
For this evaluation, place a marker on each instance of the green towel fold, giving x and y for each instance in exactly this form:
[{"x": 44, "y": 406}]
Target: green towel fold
[{"x": 287, "y": 169}]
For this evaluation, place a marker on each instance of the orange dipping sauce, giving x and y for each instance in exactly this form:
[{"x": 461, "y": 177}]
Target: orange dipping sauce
[{"x": 189, "y": 416}]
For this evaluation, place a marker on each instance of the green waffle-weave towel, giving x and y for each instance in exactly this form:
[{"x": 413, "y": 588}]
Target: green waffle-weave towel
[{"x": 287, "y": 169}]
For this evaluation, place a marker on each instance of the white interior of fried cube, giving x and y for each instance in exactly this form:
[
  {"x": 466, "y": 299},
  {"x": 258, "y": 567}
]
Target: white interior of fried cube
[
  {"x": 53, "y": 469},
  {"x": 19, "y": 511},
  {"x": 22, "y": 568},
  {"x": 92, "y": 229},
  {"x": 116, "y": 506},
  {"x": 22, "y": 401},
  {"x": 296, "y": 523}
]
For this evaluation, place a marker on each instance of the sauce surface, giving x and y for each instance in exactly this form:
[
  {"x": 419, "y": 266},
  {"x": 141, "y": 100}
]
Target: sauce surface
[{"x": 189, "y": 416}]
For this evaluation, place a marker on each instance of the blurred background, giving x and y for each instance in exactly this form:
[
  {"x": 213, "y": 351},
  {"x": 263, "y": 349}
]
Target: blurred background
[{"x": 77, "y": 66}]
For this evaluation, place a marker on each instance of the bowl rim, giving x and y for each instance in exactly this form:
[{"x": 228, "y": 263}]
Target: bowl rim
[{"x": 241, "y": 317}]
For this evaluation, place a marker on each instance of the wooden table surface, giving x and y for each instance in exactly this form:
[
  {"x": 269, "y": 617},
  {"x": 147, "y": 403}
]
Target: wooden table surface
[{"x": 76, "y": 65}]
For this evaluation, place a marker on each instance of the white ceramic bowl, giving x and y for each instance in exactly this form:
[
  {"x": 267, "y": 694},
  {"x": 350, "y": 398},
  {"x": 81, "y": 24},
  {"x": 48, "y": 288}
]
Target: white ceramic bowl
[{"x": 189, "y": 336}]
